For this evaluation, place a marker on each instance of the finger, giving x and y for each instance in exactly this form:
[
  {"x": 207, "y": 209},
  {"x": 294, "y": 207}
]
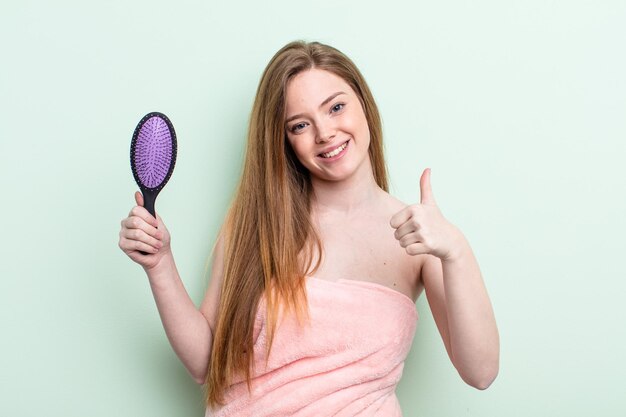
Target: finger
[
  {"x": 417, "y": 249},
  {"x": 144, "y": 214},
  {"x": 400, "y": 217},
  {"x": 410, "y": 239},
  {"x": 408, "y": 227},
  {"x": 135, "y": 245},
  {"x": 140, "y": 202},
  {"x": 426, "y": 190},
  {"x": 140, "y": 235},
  {"x": 138, "y": 222}
]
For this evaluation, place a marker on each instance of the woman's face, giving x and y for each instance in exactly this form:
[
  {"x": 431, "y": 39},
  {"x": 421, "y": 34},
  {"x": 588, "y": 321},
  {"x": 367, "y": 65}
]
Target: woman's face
[{"x": 326, "y": 125}]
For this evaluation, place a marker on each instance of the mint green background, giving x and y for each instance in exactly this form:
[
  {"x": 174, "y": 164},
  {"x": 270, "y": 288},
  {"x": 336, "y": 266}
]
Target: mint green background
[{"x": 518, "y": 107}]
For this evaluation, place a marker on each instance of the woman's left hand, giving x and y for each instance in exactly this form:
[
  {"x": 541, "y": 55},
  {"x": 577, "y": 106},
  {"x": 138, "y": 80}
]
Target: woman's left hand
[{"x": 422, "y": 229}]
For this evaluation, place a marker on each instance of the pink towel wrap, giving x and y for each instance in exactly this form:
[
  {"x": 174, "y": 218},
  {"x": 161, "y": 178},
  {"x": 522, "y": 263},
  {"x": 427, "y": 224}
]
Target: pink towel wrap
[{"x": 346, "y": 362}]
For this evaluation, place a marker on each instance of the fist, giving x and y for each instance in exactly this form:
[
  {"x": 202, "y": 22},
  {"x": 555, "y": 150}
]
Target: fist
[
  {"x": 422, "y": 229},
  {"x": 144, "y": 238}
]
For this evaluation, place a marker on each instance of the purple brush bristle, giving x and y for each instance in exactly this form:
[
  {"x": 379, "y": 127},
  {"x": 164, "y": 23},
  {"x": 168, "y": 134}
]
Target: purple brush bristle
[
  {"x": 153, "y": 155},
  {"x": 153, "y": 152}
]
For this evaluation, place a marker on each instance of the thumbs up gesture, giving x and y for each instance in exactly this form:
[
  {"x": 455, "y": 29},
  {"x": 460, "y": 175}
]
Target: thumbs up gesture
[{"x": 422, "y": 229}]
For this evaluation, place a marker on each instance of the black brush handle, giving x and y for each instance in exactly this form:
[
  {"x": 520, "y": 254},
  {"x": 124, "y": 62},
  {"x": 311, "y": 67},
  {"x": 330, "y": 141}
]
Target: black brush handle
[{"x": 149, "y": 198}]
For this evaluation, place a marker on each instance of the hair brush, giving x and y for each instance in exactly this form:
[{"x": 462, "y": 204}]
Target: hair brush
[{"x": 153, "y": 156}]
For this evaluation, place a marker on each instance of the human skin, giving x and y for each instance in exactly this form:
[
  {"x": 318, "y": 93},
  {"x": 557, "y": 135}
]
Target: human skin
[
  {"x": 366, "y": 233},
  {"x": 421, "y": 251},
  {"x": 187, "y": 327}
]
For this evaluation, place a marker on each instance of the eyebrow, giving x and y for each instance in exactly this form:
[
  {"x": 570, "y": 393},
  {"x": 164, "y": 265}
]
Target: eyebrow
[{"x": 330, "y": 98}]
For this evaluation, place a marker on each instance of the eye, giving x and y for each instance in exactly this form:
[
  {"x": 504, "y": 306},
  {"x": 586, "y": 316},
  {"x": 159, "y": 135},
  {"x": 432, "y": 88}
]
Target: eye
[
  {"x": 297, "y": 127},
  {"x": 337, "y": 107}
]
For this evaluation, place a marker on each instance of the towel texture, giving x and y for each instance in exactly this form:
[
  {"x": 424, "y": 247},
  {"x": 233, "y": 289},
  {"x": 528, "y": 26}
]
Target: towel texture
[{"x": 346, "y": 362}]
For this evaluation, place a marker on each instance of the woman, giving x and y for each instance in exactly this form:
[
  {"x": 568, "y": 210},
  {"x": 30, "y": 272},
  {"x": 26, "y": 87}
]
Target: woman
[{"x": 317, "y": 259}]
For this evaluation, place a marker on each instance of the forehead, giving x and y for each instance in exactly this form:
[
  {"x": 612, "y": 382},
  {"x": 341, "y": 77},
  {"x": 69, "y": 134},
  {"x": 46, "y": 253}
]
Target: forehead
[{"x": 310, "y": 88}]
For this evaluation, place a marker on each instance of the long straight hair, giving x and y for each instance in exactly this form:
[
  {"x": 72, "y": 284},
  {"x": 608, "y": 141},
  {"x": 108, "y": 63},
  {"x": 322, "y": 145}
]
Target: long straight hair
[{"x": 270, "y": 241}]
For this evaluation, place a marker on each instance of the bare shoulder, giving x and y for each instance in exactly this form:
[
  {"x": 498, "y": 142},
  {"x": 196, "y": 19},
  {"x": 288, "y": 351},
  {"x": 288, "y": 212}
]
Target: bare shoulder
[
  {"x": 391, "y": 202},
  {"x": 391, "y": 206}
]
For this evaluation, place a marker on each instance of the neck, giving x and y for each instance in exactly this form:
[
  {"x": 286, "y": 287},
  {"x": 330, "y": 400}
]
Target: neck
[{"x": 347, "y": 196}]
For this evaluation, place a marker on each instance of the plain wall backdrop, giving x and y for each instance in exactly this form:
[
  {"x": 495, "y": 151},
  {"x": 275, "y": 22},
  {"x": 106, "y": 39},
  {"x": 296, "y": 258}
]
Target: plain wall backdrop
[{"x": 518, "y": 107}]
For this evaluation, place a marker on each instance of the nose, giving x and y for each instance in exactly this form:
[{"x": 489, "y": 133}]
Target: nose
[{"x": 325, "y": 133}]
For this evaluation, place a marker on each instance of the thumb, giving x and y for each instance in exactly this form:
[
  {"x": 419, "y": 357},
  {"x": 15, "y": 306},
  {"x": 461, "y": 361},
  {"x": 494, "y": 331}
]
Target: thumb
[
  {"x": 139, "y": 198},
  {"x": 426, "y": 191}
]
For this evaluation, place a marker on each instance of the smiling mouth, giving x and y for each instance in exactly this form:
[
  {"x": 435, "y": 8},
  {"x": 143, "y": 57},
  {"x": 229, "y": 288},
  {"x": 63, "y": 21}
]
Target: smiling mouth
[{"x": 335, "y": 151}]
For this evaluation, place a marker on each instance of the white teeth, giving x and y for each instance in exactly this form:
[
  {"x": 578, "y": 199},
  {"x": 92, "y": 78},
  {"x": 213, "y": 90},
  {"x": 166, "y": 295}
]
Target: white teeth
[{"x": 335, "y": 152}]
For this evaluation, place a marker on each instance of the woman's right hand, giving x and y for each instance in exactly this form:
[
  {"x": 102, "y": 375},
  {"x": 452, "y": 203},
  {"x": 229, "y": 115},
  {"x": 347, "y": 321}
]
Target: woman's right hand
[{"x": 141, "y": 232}]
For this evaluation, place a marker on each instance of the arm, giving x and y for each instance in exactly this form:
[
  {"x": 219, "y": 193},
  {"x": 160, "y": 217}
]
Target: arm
[
  {"x": 463, "y": 313},
  {"x": 454, "y": 287},
  {"x": 186, "y": 328},
  {"x": 146, "y": 240}
]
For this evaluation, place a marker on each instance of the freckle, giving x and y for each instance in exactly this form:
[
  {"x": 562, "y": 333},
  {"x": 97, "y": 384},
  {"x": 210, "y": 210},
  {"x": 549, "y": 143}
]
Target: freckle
[
  {"x": 384, "y": 263},
  {"x": 394, "y": 284}
]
